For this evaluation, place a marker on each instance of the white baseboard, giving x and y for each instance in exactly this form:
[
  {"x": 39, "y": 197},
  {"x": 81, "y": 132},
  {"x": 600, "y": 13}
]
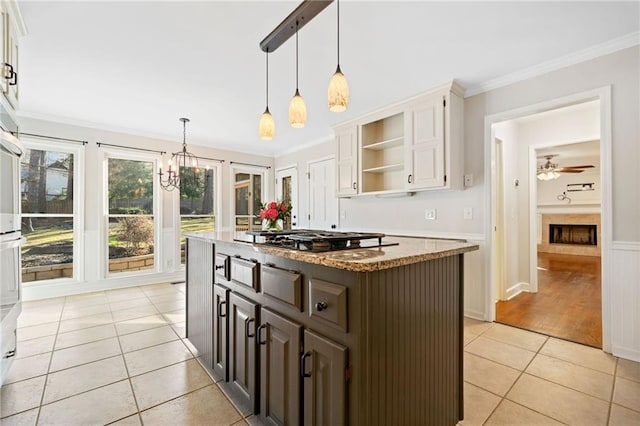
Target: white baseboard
[
  {"x": 626, "y": 353},
  {"x": 44, "y": 291},
  {"x": 515, "y": 290},
  {"x": 470, "y": 313}
]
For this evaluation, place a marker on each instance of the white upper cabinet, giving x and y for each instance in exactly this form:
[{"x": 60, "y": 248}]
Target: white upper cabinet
[
  {"x": 11, "y": 29},
  {"x": 346, "y": 161},
  {"x": 413, "y": 145}
]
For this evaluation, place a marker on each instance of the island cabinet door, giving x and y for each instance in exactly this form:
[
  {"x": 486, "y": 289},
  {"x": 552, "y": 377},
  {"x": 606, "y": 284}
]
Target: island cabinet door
[
  {"x": 243, "y": 362},
  {"x": 323, "y": 364},
  {"x": 220, "y": 332},
  {"x": 199, "y": 316},
  {"x": 279, "y": 340}
]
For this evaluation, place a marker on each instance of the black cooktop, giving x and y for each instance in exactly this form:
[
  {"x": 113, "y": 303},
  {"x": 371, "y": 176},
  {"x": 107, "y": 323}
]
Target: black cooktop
[{"x": 317, "y": 240}]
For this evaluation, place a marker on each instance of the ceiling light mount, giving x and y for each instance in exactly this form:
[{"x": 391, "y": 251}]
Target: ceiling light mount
[{"x": 297, "y": 19}]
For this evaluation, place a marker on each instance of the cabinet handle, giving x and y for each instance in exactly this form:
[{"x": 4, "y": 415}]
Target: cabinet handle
[
  {"x": 321, "y": 306},
  {"x": 10, "y": 354},
  {"x": 258, "y": 341},
  {"x": 246, "y": 328},
  {"x": 8, "y": 71},
  {"x": 220, "y": 314},
  {"x": 410, "y": 179},
  {"x": 354, "y": 185},
  {"x": 219, "y": 267},
  {"x": 303, "y": 373},
  {"x": 15, "y": 79}
]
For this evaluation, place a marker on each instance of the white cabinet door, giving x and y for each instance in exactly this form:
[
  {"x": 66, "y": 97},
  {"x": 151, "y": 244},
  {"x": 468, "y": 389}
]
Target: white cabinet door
[
  {"x": 12, "y": 60},
  {"x": 323, "y": 205},
  {"x": 347, "y": 162},
  {"x": 4, "y": 26},
  {"x": 424, "y": 144}
]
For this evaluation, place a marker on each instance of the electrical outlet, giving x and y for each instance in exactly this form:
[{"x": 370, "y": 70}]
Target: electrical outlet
[
  {"x": 468, "y": 180},
  {"x": 468, "y": 213},
  {"x": 430, "y": 214}
]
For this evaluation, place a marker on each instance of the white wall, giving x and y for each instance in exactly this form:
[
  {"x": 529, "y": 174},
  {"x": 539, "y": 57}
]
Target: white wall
[
  {"x": 619, "y": 70},
  {"x": 94, "y": 275}
]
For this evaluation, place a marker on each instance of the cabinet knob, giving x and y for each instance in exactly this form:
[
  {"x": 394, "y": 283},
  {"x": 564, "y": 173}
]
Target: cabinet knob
[
  {"x": 321, "y": 306},
  {"x": 354, "y": 185}
]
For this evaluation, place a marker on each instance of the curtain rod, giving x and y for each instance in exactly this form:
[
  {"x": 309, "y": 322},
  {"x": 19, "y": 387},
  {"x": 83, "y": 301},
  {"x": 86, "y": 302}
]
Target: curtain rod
[
  {"x": 131, "y": 147},
  {"x": 34, "y": 135},
  {"x": 210, "y": 159},
  {"x": 247, "y": 164}
]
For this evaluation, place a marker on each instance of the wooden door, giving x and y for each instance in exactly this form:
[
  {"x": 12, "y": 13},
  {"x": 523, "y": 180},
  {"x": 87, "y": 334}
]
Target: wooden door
[
  {"x": 220, "y": 349},
  {"x": 279, "y": 341},
  {"x": 243, "y": 367},
  {"x": 200, "y": 261},
  {"x": 347, "y": 162},
  {"x": 424, "y": 132},
  {"x": 324, "y": 363},
  {"x": 323, "y": 204}
]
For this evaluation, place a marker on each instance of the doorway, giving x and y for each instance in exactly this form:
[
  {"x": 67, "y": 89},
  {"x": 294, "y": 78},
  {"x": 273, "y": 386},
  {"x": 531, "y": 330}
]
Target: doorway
[
  {"x": 248, "y": 192},
  {"x": 287, "y": 191},
  {"x": 323, "y": 204},
  {"x": 548, "y": 215}
]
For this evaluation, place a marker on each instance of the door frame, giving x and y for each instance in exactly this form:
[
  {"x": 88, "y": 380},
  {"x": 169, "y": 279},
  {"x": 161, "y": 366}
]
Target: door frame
[
  {"x": 291, "y": 170},
  {"x": 266, "y": 187},
  {"x": 308, "y": 173},
  {"x": 603, "y": 94}
]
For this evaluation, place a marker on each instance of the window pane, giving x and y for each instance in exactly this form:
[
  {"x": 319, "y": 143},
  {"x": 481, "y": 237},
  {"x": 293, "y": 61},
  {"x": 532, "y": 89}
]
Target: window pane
[
  {"x": 130, "y": 186},
  {"x": 47, "y": 182},
  {"x": 48, "y": 252},
  {"x": 196, "y": 197},
  {"x": 189, "y": 225},
  {"x": 130, "y": 243}
]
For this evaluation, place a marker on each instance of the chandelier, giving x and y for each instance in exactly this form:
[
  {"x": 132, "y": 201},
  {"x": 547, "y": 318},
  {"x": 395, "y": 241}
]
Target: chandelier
[{"x": 183, "y": 171}]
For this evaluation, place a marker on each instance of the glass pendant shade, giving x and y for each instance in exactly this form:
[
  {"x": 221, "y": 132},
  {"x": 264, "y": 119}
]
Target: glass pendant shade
[
  {"x": 267, "y": 126},
  {"x": 297, "y": 111},
  {"x": 338, "y": 93}
]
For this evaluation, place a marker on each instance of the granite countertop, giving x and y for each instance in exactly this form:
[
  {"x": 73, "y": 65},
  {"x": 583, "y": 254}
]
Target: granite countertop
[{"x": 409, "y": 250}]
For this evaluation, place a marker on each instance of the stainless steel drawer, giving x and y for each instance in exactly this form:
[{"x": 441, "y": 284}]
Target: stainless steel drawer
[
  {"x": 282, "y": 285},
  {"x": 245, "y": 272},
  {"x": 222, "y": 266},
  {"x": 328, "y": 303}
]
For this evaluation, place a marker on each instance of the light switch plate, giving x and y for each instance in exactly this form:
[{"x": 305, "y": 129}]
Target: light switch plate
[
  {"x": 430, "y": 214},
  {"x": 468, "y": 181},
  {"x": 468, "y": 213}
]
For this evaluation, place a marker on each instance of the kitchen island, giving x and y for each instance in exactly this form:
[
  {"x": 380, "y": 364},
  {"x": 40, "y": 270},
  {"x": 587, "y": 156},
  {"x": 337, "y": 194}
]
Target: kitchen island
[{"x": 368, "y": 336}]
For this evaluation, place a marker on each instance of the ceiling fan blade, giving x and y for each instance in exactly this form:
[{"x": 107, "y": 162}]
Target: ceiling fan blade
[
  {"x": 565, "y": 170},
  {"x": 589, "y": 166}
]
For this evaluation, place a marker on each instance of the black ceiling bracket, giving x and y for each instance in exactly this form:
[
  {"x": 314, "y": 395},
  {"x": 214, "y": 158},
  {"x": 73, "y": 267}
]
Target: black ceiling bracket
[{"x": 304, "y": 13}]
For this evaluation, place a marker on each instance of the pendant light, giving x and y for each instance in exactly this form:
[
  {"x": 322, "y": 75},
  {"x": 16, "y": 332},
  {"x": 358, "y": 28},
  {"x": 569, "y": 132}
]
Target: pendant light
[
  {"x": 267, "y": 127},
  {"x": 297, "y": 108},
  {"x": 338, "y": 92}
]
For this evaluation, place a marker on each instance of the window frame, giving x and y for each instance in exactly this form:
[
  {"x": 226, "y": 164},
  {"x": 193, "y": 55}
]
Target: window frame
[
  {"x": 78, "y": 152},
  {"x": 266, "y": 188},
  {"x": 155, "y": 159},
  {"x": 215, "y": 167}
]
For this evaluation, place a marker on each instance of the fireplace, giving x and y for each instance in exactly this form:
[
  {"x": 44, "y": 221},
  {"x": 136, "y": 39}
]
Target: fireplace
[{"x": 581, "y": 234}]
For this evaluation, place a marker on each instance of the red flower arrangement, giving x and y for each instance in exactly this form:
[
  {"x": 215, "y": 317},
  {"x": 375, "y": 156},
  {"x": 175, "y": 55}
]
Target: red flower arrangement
[{"x": 272, "y": 211}]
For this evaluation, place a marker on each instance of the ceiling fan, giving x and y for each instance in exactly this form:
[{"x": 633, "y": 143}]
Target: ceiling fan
[{"x": 549, "y": 170}]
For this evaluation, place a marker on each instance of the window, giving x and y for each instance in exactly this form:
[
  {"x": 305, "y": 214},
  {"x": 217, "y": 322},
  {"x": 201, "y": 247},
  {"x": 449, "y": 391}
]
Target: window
[
  {"x": 248, "y": 196},
  {"x": 198, "y": 205},
  {"x": 51, "y": 220},
  {"x": 131, "y": 224}
]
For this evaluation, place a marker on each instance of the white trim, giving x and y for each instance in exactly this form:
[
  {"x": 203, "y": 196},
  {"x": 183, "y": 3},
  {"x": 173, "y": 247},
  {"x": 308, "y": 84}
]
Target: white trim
[
  {"x": 59, "y": 289},
  {"x": 592, "y": 52},
  {"x": 626, "y": 245},
  {"x": 516, "y": 289},
  {"x": 604, "y": 95},
  {"x": 267, "y": 188},
  {"x": 16, "y": 17},
  {"x": 627, "y": 353},
  {"x": 470, "y": 313}
]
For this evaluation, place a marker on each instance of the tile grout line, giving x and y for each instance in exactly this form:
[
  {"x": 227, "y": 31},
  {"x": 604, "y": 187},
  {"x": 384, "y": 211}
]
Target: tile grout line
[
  {"x": 516, "y": 381},
  {"x": 613, "y": 389}
]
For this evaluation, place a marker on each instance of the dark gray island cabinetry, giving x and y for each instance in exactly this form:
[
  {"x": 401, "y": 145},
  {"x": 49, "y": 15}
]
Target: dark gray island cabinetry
[{"x": 369, "y": 336}]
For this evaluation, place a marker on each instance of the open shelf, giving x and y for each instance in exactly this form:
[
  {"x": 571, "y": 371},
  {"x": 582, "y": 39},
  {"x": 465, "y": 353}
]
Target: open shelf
[
  {"x": 389, "y": 143},
  {"x": 385, "y": 168}
]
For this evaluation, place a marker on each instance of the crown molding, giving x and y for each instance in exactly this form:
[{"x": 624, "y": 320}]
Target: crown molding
[{"x": 589, "y": 53}]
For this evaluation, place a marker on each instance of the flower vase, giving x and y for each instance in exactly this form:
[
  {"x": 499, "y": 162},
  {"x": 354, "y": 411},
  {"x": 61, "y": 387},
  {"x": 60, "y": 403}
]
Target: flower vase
[{"x": 272, "y": 225}]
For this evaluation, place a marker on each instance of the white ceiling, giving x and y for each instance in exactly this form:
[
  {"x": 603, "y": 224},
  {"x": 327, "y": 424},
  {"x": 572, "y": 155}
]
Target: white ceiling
[{"x": 139, "y": 66}]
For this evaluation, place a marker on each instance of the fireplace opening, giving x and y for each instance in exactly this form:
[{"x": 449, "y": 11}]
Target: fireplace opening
[{"x": 586, "y": 235}]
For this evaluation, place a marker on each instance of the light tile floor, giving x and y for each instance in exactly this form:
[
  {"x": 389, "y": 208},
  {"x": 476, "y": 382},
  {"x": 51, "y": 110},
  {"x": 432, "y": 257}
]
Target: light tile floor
[{"x": 120, "y": 357}]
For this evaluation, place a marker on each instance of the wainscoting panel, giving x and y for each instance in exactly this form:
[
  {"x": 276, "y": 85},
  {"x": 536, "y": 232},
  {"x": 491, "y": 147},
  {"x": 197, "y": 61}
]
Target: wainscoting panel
[{"x": 625, "y": 299}]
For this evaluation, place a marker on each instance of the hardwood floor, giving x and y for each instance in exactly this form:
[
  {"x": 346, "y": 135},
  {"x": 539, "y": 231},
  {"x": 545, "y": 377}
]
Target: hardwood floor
[{"x": 568, "y": 303}]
